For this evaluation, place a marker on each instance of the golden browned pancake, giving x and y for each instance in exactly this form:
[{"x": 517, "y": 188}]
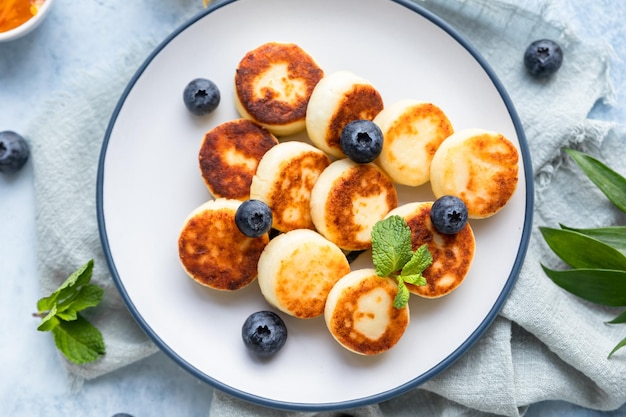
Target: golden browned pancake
[
  {"x": 360, "y": 315},
  {"x": 214, "y": 252},
  {"x": 273, "y": 84},
  {"x": 348, "y": 199},
  {"x": 412, "y": 131},
  {"x": 478, "y": 166},
  {"x": 284, "y": 180},
  {"x": 229, "y": 156},
  {"x": 452, "y": 254},
  {"x": 338, "y": 99},
  {"x": 297, "y": 269}
]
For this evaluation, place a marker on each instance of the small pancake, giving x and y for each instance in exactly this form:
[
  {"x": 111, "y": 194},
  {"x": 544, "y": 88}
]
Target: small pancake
[
  {"x": 229, "y": 156},
  {"x": 214, "y": 252},
  {"x": 360, "y": 315},
  {"x": 478, "y": 166},
  {"x": 297, "y": 269},
  {"x": 273, "y": 84},
  {"x": 284, "y": 179},
  {"x": 338, "y": 99},
  {"x": 348, "y": 199},
  {"x": 452, "y": 254},
  {"x": 412, "y": 131}
]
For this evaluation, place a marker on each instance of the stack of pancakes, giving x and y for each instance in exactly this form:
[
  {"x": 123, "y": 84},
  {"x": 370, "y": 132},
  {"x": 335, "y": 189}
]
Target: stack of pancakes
[{"x": 325, "y": 205}]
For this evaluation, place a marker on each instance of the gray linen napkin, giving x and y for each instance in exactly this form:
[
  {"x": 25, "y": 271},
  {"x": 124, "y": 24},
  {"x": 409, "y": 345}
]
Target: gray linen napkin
[{"x": 545, "y": 345}]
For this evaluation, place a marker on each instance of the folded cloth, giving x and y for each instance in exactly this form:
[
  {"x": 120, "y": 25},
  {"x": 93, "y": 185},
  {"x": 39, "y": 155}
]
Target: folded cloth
[{"x": 546, "y": 344}]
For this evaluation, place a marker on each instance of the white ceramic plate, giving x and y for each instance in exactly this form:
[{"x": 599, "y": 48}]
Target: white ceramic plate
[{"x": 149, "y": 181}]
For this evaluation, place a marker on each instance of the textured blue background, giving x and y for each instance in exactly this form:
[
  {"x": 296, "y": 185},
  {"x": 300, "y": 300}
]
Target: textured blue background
[{"x": 81, "y": 35}]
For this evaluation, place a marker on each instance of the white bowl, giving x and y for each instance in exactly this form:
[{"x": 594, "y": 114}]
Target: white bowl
[{"x": 29, "y": 25}]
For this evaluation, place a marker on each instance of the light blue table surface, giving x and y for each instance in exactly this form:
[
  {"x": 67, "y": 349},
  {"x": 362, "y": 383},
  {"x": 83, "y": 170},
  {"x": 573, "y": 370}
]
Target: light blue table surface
[{"x": 78, "y": 34}]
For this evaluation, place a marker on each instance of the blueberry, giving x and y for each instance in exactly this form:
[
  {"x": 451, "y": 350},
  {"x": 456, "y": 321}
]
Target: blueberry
[
  {"x": 201, "y": 96},
  {"x": 361, "y": 141},
  {"x": 14, "y": 152},
  {"x": 543, "y": 58},
  {"x": 253, "y": 218},
  {"x": 264, "y": 333},
  {"x": 122, "y": 415},
  {"x": 448, "y": 214}
]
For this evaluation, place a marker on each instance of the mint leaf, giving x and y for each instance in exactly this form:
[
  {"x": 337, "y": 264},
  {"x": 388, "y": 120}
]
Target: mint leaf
[
  {"x": 617, "y": 347},
  {"x": 391, "y": 245},
  {"x": 79, "y": 340},
  {"x": 79, "y": 277},
  {"x": 402, "y": 297},
  {"x": 74, "y": 336},
  {"x": 393, "y": 256}
]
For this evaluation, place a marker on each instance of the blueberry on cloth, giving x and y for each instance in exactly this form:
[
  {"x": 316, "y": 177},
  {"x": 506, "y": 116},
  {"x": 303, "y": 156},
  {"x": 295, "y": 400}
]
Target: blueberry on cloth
[
  {"x": 264, "y": 333},
  {"x": 122, "y": 415},
  {"x": 361, "y": 141},
  {"x": 543, "y": 58},
  {"x": 14, "y": 152},
  {"x": 253, "y": 218},
  {"x": 201, "y": 96},
  {"x": 448, "y": 214}
]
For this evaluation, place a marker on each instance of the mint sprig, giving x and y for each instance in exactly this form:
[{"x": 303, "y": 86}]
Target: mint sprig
[
  {"x": 393, "y": 256},
  {"x": 75, "y": 337}
]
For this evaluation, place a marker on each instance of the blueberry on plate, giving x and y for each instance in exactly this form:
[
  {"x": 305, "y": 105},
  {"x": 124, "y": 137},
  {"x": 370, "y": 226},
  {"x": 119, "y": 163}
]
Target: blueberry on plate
[
  {"x": 448, "y": 214},
  {"x": 361, "y": 141},
  {"x": 253, "y": 218},
  {"x": 14, "y": 152},
  {"x": 543, "y": 58},
  {"x": 201, "y": 96},
  {"x": 264, "y": 333}
]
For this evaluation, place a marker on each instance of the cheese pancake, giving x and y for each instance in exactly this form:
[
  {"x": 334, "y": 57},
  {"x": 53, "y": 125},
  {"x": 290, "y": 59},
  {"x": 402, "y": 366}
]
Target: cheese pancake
[
  {"x": 214, "y": 252},
  {"x": 273, "y": 84},
  {"x": 297, "y": 269},
  {"x": 412, "y": 131},
  {"x": 452, "y": 253},
  {"x": 229, "y": 155},
  {"x": 348, "y": 199},
  {"x": 360, "y": 315},
  {"x": 478, "y": 166},
  {"x": 338, "y": 99},
  {"x": 284, "y": 179}
]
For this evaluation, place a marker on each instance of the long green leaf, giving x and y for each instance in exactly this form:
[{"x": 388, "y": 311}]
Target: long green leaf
[
  {"x": 614, "y": 236},
  {"x": 581, "y": 251},
  {"x": 601, "y": 286},
  {"x": 618, "y": 347},
  {"x": 79, "y": 340},
  {"x": 619, "y": 319},
  {"x": 612, "y": 184}
]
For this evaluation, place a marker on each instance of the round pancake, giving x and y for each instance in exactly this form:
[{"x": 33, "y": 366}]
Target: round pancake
[
  {"x": 478, "y": 166},
  {"x": 273, "y": 84},
  {"x": 412, "y": 131},
  {"x": 338, "y": 99},
  {"x": 297, "y": 269},
  {"x": 452, "y": 254},
  {"x": 360, "y": 315},
  {"x": 214, "y": 252},
  {"x": 229, "y": 156},
  {"x": 348, "y": 199},
  {"x": 284, "y": 180}
]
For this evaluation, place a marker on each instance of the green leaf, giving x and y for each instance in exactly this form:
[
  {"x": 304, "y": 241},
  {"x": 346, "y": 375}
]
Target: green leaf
[
  {"x": 617, "y": 347},
  {"x": 391, "y": 245},
  {"x": 49, "y": 321},
  {"x": 89, "y": 295},
  {"x": 600, "y": 286},
  {"x": 420, "y": 260},
  {"x": 612, "y": 184},
  {"x": 402, "y": 297},
  {"x": 415, "y": 279},
  {"x": 79, "y": 277},
  {"x": 614, "y": 236},
  {"x": 581, "y": 251},
  {"x": 619, "y": 319},
  {"x": 79, "y": 340}
]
